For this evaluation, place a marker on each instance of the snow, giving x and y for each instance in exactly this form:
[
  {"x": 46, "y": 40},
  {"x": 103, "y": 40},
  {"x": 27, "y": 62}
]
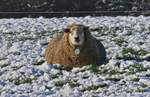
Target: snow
[{"x": 25, "y": 73}]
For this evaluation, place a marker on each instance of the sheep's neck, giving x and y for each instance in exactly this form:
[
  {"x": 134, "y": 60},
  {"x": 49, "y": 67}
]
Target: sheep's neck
[{"x": 77, "y": 51}]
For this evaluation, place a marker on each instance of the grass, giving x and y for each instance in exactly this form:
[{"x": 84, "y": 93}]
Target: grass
[
  {"x": 55, "y": 76},
  {"x": 23, "y": 81},
  {"x": 98, "y": 69},
  {"x": 103, "y": 70},
  {"x": 119, "y": 41},
  {"x": 136, "y": 68},
  {"x": 113, "y": 79},
  {"x": 4, "y": 65},
  {"x": 73, "y": 84},
  {"x": 60, "y": 83},
  {"x": 115, "y": 71},
  {"x": 94, "y": 68},
  {"x": 94, "y": 87},
  {"x": 140, "y": 89},
  {"x": 39, "y": 63},
  {"x": 128, "y": 53},
  {"x": 134, "y": 52},
  {"x": 136, "y": 79},
  {"x": 131, "y": 54},
  {"x": 49, "y": 88},
  {"x": 129, "y": 50},
  {"x": 142, "y": 52},
  {"x": 25, "y": 38},
  {"x": 16, "y": 67},
  {"x": 2, "y": 90}
]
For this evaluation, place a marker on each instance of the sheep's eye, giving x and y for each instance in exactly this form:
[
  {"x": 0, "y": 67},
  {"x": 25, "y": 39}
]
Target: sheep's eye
[{"x": 66, "y": 30}]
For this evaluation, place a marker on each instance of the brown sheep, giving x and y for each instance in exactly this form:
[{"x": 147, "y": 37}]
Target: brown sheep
[{"x": 74, "y": 48}]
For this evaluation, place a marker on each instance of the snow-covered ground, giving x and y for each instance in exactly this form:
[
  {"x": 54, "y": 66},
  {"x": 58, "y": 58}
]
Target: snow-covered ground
[{"x": 24, "y": 72}]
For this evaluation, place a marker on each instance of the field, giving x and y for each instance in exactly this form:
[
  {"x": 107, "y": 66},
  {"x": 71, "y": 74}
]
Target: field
[{"x": 24, "y": 72}]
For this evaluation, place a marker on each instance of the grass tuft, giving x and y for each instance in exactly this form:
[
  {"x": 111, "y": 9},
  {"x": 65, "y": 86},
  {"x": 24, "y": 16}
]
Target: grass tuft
[
  {"x": 23, "y": 81},
  {"x": 73, "y": 84},
  {"x": 94, "y": 87}
]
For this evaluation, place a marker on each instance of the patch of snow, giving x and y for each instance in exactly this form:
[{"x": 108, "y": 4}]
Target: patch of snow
[{"x": 25, "y": 73}]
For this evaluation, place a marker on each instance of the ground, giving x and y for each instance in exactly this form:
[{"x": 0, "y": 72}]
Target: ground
[{"x": 24, "y": 72}]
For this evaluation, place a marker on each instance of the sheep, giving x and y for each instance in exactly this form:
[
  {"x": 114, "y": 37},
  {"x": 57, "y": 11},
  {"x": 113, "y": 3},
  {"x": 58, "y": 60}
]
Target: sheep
[{"x": 75, "y": 47}]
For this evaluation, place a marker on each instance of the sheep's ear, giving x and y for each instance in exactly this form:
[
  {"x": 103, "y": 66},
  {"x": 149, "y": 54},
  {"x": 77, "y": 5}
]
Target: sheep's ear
[{"x": 66, "y": 30}]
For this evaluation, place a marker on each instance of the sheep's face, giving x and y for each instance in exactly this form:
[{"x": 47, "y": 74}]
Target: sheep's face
[{"x": 76, "y": 34}]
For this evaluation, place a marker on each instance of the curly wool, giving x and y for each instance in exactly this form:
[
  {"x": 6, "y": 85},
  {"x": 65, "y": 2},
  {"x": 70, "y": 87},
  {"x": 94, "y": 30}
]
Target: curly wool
[{"x": 59, "y": 51}]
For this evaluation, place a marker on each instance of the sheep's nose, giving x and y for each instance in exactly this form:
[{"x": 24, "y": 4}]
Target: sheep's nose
[{"x": 77, "y": 39}]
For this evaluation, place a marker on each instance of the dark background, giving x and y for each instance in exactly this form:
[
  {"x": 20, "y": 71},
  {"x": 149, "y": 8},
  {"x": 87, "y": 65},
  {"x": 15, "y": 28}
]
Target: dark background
[{"x": 58, "y": 8}]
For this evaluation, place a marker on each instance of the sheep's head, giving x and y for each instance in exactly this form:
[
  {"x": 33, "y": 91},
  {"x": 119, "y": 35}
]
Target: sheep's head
[{"x": 76, "y": 34}]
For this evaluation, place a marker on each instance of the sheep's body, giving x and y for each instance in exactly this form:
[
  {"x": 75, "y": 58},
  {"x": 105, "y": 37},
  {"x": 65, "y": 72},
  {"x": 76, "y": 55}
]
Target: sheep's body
[{"x": 59, "y": 51}]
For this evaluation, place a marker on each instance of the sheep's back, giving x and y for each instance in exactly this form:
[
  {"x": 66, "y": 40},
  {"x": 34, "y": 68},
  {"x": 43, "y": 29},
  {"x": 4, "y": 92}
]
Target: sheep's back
[
  {"x": 101, "y": 52},
  {"x": 51, "y": 49}
]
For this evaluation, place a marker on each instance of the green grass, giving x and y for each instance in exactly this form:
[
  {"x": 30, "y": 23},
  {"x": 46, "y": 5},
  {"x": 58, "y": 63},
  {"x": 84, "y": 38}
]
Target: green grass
[
  {"x": 136, "y": 68},
  {"x": 142, "y": 52},
  {"x": 130, "y": 53},
  {"x": 4, "y": 65},
  {"x": 60, "y": 83},
  {"x": 94, "y": 68},
  {"x": 115, "y": 71},
  {"x": 119, "y": 41},
  {"x": 140, "y": 89},
  {"x": 134, "y": 52},
  {"x": 136, "y": 79},
  {"x": 73, "y": 84},
  {"x": 94, "y": 87},
  {"x": 2, "y": 90},
  {"x": 129, "y": 50},
  {"x": 103, "y": 70},
  {"x": 113, "y": 79},
  {"x": 55, "y": 76},
  {"x": 23, "y": 81}
]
